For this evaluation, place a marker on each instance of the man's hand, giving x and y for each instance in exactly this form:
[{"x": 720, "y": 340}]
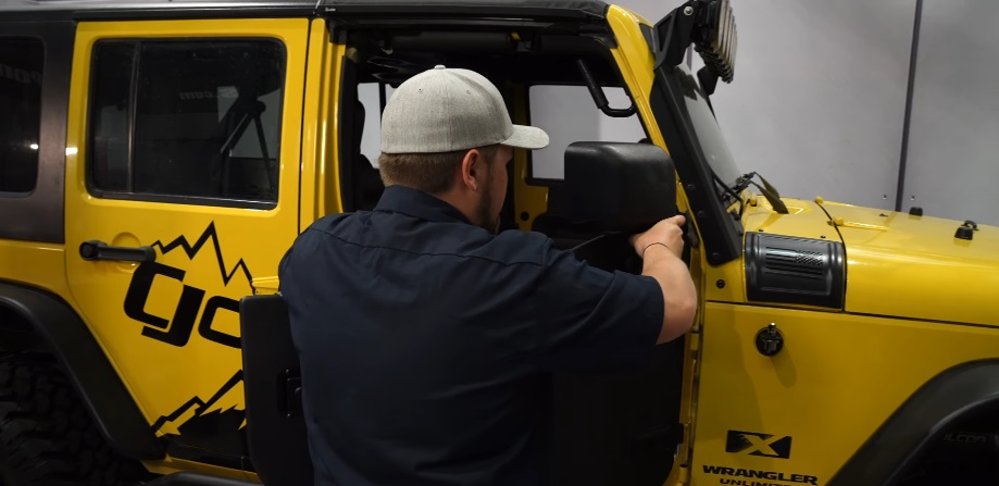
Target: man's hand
[
  {"x": 660, "y": 248},
  {"x": 667, "y": 232}
]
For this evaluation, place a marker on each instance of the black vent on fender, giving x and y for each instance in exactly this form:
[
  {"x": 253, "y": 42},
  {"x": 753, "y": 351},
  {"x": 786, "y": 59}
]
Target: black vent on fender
[{"x": 795, "y": 270}]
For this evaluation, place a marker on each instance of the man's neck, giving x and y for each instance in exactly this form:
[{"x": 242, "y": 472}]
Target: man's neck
[{"x": 462, "y": 202}]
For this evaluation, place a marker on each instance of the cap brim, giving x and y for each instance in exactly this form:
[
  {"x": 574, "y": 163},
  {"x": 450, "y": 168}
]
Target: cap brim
[{"x": 527, "y": 137}]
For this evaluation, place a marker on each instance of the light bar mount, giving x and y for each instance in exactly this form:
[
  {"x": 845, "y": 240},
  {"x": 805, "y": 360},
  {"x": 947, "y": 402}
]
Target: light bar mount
[{"x": 710, "y": 26}]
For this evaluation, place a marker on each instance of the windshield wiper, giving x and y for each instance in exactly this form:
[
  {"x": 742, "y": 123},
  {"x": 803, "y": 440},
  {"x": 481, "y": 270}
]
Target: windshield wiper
[
  {"x": 768, "y": 191},
  {"x": 742, "y": 183},
  {"x": 746, "y": 180}
]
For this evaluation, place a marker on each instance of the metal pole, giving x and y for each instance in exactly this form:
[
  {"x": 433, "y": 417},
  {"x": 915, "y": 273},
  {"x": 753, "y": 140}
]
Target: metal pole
[{"x": 904, "y": 156}]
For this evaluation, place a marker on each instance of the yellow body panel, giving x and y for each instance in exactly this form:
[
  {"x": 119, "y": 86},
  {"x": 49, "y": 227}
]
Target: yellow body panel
[
  {"x": 837, "y": 379},
  {"x": 319, "y": 126},
  {"x": 328, "y": 197},
  {"x": 635, "y": 61},
  {"x": 214, "y": 252},
  {"x": 805, "y": 219},
  {"x": 913, "y": 266},
  {"x": 35, "y": 264}
]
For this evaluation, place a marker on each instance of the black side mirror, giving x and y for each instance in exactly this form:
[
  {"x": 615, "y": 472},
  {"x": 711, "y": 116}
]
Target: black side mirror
[
  {"x": 611, "y": 190},
  {"x": 612, "y": 187}
]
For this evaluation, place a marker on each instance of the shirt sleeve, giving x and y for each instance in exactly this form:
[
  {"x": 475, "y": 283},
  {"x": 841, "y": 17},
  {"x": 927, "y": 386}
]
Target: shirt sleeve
[{"x": 590, "y": 319}]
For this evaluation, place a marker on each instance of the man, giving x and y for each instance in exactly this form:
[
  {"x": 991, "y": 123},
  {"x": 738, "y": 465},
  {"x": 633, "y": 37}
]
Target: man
[{"x": 424, "y": 336}]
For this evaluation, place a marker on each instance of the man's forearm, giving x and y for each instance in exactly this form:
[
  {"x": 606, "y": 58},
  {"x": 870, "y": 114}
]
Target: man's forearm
[{"x": 679, "y": 293}]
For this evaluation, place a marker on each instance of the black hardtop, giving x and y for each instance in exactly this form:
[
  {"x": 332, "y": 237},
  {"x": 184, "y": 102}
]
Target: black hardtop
[{"x": 567, "y": 9}]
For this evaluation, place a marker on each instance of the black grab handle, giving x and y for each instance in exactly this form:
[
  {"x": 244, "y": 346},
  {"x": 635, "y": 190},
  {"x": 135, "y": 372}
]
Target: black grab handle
[
  {"x": 98, "y": 250},
  {"x": 598, "y": 94}
]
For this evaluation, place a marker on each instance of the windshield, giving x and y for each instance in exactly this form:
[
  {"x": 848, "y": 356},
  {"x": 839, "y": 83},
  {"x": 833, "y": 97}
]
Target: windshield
[
  {"x": 703, "y": 161},
  {"x": 705, "y": 127}
]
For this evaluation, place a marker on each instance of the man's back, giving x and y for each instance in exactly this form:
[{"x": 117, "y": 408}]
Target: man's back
[{"x": 423, "y": 341}]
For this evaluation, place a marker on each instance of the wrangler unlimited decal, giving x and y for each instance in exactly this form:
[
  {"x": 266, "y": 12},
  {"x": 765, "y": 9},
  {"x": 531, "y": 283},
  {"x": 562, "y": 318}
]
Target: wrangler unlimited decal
[{"x": 769, "y": 476}]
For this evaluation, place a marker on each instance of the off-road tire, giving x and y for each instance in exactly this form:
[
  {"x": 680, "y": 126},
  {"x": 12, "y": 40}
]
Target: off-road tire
[{"x": 46, "y": 435}]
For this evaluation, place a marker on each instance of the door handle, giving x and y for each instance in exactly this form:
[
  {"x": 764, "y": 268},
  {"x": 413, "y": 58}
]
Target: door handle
[{"x": 98, "y": 250}]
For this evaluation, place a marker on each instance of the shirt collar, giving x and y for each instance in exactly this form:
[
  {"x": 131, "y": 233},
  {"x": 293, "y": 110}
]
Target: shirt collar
[{"x": 409, "y": 201}]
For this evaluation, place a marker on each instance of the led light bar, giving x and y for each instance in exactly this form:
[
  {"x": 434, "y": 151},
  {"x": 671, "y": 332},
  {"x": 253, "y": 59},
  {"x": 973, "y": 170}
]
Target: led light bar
[{"x": 717, "y": 42}]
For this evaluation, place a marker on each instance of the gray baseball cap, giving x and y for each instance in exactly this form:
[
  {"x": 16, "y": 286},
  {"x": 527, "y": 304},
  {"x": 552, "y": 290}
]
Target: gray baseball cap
[{"x": 445, "y": 110}]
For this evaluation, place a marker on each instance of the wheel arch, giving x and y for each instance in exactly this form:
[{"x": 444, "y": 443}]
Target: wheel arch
[
  {"x": 33, "y": 318},
  {"x": 955, "y": 394}
]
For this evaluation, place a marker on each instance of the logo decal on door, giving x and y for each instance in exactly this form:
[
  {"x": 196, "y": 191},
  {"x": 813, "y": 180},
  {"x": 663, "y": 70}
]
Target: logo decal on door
[
  {"x": 757, "y": 444},
  {"x": 177, "y": 329}
]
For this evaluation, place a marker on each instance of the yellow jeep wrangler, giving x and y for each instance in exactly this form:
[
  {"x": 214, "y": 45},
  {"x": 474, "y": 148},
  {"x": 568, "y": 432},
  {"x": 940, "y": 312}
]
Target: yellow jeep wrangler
[{"x": 158, "y": 157}]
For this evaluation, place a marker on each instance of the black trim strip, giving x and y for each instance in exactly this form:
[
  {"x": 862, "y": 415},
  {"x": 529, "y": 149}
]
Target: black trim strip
[
  {"x": 301, "y": 126},
  {"x": 124, "y": 10},
  {"x": 907, "y": 121},
  {"x": 347, "y": 136},
  {"x": 192, "y": 200},
  {"x": 102, "y": 390},
  {"x": 133, "y": 101},
  {"x": 566, "y": 9},
  {"x": 953, "y": 394},
  {"x": 772, "y": 305},
  {"x": 929, "y": 321}
]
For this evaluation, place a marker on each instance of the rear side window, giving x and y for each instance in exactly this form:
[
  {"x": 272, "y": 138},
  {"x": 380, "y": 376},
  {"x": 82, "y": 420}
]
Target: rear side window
[
  {"x": 20, "y": 112},
  {"x": 193, "y": 121}
]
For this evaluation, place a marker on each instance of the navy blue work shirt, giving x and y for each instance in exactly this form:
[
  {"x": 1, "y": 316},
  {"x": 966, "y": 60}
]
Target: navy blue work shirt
[{"x": 424, "y": 341}]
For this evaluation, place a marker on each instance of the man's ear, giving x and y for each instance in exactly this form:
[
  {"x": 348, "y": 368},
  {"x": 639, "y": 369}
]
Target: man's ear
[{"x": 472, "y": 168}]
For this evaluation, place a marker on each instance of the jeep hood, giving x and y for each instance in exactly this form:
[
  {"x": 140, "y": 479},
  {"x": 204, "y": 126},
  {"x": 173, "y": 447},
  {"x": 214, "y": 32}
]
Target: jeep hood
[{"x": 914, "y": 266}]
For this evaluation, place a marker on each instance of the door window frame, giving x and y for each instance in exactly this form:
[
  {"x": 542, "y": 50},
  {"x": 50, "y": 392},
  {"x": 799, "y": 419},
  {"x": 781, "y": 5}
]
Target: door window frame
[
  {"x": 38, "y": 215},
  {"x": 175, "y": 198}
]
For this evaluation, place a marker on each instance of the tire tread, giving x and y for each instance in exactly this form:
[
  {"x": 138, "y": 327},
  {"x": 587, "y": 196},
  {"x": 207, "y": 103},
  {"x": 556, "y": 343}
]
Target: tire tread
[{"x": 46, "y": 435}]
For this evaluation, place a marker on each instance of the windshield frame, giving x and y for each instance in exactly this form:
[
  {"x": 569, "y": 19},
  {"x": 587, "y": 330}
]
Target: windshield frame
[{"x": 720, "y": 230}]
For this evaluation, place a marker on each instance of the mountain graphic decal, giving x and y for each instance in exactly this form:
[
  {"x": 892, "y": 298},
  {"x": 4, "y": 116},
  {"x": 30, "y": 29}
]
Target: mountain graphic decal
[{"x": 188, "y": 299}]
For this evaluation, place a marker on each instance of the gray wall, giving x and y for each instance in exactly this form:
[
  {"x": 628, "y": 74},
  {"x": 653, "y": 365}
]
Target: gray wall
[
  {"x": 818, "y": 99},
  {"x": 819, "y": 96},
  {"x": 818, "y": 103},
  {"x": 952, "y": 167}
]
